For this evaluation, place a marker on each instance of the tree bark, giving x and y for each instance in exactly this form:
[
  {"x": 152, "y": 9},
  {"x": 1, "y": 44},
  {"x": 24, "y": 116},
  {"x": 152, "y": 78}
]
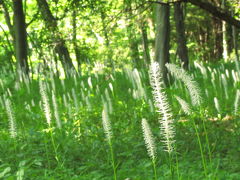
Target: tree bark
[
  {"x": 9, "y": 51},
  {"x": 75, "y": 45},
  {"x": 20, "y": 37},
  {"x": 11, "y": 30},
  {"x": 134, "y": 52},
  {"x": 235, "y": 44},
  {"x": 162, "y": 38},
  {"x": 107, "y": 41},
  {"x": 145, "y": 43},
  {"x": 225, "y": 45},
  {"x": 218, "y": 38},
  {"x": 60, "y": 45},
  {"x": 224, "y": 31},
  {"x": 181, "y": 38}
]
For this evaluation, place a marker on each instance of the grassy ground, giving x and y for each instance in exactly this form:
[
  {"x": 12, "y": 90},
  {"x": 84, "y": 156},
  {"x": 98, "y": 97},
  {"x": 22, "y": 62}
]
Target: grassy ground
[{"x": 79, "y": 150}]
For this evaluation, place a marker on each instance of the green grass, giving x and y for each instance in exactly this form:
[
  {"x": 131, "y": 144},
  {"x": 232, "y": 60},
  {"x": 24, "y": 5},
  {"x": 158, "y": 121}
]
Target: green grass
[{"x": 82, "y": 149}]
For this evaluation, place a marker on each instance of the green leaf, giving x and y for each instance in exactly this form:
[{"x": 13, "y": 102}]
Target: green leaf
[
  {"x": 10, "y": 178},
  {"x": 37, "y": 163},
  {"x": 4, "y": 172},
  {"x": 20, "y": 174},
  {"x": 22, "y": 163}
]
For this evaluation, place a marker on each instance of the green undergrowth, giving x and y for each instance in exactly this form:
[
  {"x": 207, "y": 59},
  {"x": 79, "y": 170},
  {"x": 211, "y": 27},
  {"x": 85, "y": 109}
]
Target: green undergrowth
[{"x": 81, "y": 148}]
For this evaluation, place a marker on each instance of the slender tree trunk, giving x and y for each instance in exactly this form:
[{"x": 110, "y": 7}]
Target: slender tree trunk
[
  {"x": 60, "y": 45},
  {"x": 8, "y": 41},
  {"x": 133, "y": 47},
  {"x": 75, "y": 45},
  {"x": 107, "y": 41},
  {"x": 7, "y": 18},
  {"x": 10, "y": 51},
  {"x": 217, "y": 34},
  {"x": 162, "y": 38},
  {"x": 224, "y": 31},
  {"x": 181, "y": 39},
  {"x": 225, "y": 45},
  {"x": 145, "y": 43},
  {"x": 103, "y": 16},
  {"x": 21, "y": 37},
  {"x": 235, "y": 44},
  {"x": 11, "y": 30},
  {"x": 134, "y": 52}
]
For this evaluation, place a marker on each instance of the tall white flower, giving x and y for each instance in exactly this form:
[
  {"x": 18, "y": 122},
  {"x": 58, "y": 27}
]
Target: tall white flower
[
  {"x": 90, "y": 82},
  {"x": 191, "y": 84},
  {"x": 106, "y": 123},
  {"x": 163, "y": 108},
  {"x": 75, "y": 99},
  {"x": 11, "y": 118},
  {"x": 184, "y": 105},
  {"x": 236, "y": 103},
  {"x": 149, "y": 140},
  {"x": 45, "y": 102},
  {"x": 216, "y": 103},
  {"x": 225, "y": 85},
  {"x": 109, "y": 102},
  {"x": 56, "y": 112}
]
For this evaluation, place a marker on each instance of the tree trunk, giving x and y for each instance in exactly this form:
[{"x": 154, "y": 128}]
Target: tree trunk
[
  {"x": 235, "y": 44},
  {"x": 107, "y": 42},
  {"x": 225, "y": 45},
  {"x": 217, "y": 34},
  {"x": 9, "y": 49},
  {"x": 162, "y": 38},
  {"x": 20, "y": 37},
  {"x": 11, "y": 30},
  {"x": 181, "y": 39},
  {"x": 59, "y": 42},
  {"x": 75, "y": 45},
  {"x": 145, "y": 43},
  {"x": 134, "y": 52},
  {"x": 224, "y": 31},
  {"x": 134, "y": 47}
]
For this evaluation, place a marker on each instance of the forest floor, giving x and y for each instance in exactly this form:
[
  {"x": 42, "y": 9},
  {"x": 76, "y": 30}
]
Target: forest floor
[{"x": 75, "y": 147}]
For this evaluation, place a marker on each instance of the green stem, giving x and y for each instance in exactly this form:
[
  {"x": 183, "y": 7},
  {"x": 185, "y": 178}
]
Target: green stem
[
  {"x": 177, "y": 166},
  {"x": 15, "y": 147},
  {"x": 112, "y": 158},
  {"x": 46, "y": 149},
  {"x": 207, "y": 140},
  {"x": 201, "y": 149},
  {"x": 170, "y": 165},
  {"x": 54, "y": 146},
  {"x": 154, "y": 168}
]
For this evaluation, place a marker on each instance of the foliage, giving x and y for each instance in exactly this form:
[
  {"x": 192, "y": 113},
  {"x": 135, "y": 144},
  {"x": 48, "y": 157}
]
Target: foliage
[
  {"x": 96, "y": 122},
  {"x": 80, "y": 147},
  {"x": 105, "y": 31}
]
